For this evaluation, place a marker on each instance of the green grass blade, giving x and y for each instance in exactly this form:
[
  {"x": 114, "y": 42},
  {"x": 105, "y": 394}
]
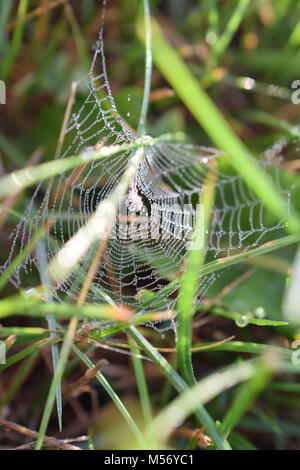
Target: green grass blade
[
  {"x": 246, "y": 396},
  {"x": 6, "y": 331},
  {"x": 245, "y": 347},
  {"x": 294, "y": 39},
  {"x": 205, "y": 390},
  {"x": 15, "y": 45},
  {"x": 190, "y": 281},
  {"x": 22, "y": 179},
  {"x": 224, "y": 40},
  {"x": 148, "y": 69},
  {"x": 42, "y": 264},
  {"x": 5, "y": 10},
  {"x": 180, "y": 385},
  {"x": 90, "y": 441},
  {"x": 245, "y": 319},
  {"x": 285, "y": 387},
  {"x": 141, "y": 382},
  {"x": 55, "y": 358},
  {"x": 66, "y": 346},
  {"x": 35, "y": 307},
  {"x": 187, "y": 296},
  {"x": 113, "y": 395}
]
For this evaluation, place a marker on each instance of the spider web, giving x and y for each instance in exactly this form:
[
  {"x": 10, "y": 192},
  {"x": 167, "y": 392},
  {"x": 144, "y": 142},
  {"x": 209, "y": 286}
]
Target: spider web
[{"x": 150, "y": 239}]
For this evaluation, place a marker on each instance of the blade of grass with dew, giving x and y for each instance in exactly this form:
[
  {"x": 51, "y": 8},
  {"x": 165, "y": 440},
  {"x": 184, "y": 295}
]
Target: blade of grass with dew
[
  {"x": 36, "y": 307},
  {"x": 205, "y": 390},
  {"x": 22, "y": 179},
  {"x": 66, "y": 346},
  {"x": 25, "y": 178},
  {"x": 113, "y": 395},
  {"x": 245, "y": 318},
  {"x": 232, "y": 26},
  {"x": 246, "y": 395},
  {"x": 244, "y": 347},
  {"x": 180, "y": 385},
  {"x": 204, "y": 110},
  {"x": 186, "y": 306},
  {"x": 14, "y": 49},
  {"x": 148, "y": 69}
]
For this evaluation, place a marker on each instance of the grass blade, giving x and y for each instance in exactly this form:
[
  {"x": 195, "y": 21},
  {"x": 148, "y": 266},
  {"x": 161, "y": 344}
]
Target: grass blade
[
  {"x": 15, "y": 45},
  {"x": 148, "y": 70},
  {"x": 66, "y": 346},
  {"x": 190, "y": 399},
  {"x": 224, "y": 40},
  {"x": 42, "y": 263},
  {"x": 180, "y": 385},
  {"x": 190, "y": 279},
  {"x": 102, "y": 380},
  {"x": 141, "y": 383},
  {"x": 246, "y": 396}
]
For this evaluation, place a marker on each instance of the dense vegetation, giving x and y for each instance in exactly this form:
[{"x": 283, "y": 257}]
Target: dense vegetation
[{"x": 222, "y": 77}]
